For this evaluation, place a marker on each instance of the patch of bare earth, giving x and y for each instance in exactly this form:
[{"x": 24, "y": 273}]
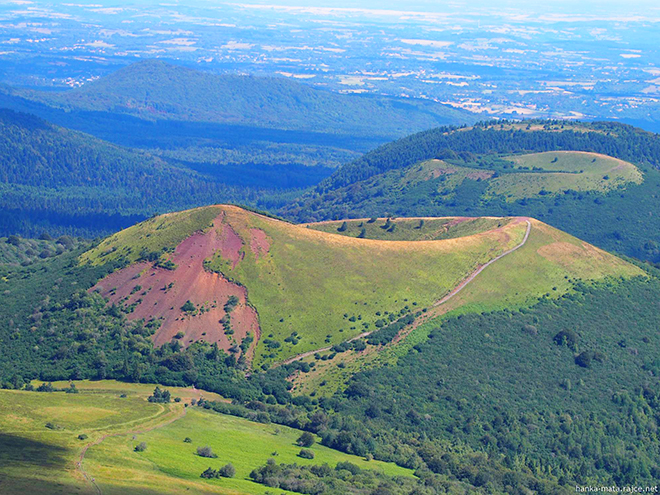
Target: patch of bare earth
[
  {"x": 162, "y": 293},
  {"x": 259, "y": 243}
]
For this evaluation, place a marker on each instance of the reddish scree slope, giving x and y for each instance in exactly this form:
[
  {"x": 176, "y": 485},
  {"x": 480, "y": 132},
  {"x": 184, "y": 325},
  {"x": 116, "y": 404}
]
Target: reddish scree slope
[{"x": 191, "y": 282}]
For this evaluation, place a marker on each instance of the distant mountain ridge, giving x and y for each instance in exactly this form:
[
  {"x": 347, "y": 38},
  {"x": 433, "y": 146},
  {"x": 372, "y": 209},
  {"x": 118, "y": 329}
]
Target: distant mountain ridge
[
  {"x": 56, "y": 179},
  {"x": 156, "y": 90}
]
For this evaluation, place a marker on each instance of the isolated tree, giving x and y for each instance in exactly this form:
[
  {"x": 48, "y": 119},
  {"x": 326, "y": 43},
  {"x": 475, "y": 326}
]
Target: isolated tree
[
  {"x": 140, "y": 447},
  {"x": 227, "y": 471},
  {"x": 362, "y": 234},
  {"x": 343, "y": 227},
  {"x": 306, "y": 440},
  {"x": 206, "y": 452},
  {"x": 188, "y": 307},
  {"x": 306, "y": 454}
]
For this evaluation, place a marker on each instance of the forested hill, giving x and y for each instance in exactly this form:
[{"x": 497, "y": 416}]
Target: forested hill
[
  {"x": 610, "y": 138},
  {"x": 64, "y": 181},
  {"x": 156, "y": 90},
  {"x": 464, "y": 172}
]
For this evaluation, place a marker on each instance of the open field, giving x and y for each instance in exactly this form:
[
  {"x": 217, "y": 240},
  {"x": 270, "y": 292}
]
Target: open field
[
  {"x": 411, "y": 229},
  {"x": 562, "y": 170},
  {"x": 169, "y": 460},
  {"x": 37, "y": 459}
]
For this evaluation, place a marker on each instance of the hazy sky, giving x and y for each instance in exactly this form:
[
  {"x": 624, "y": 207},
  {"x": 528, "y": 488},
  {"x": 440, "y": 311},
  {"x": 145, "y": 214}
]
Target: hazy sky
[{"x": 555, "y": 6}]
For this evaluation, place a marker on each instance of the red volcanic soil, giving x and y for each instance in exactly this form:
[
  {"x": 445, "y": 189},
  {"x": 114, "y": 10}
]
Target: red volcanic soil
[
  {"x": 190, "y": 282},
  {"x": 259, "y": 243}
]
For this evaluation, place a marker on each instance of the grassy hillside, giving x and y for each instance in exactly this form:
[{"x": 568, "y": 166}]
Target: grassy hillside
[
  {"x": 563, "y": 171},
  {"x": 548, "y": 266},
  {"x": 37, "y": 458},
  {"x": 288, "y": 271},
  {"x": 156, "y": 90},
  {"x": 409, "y": 229},
  {"x": 596, "y": 181}
]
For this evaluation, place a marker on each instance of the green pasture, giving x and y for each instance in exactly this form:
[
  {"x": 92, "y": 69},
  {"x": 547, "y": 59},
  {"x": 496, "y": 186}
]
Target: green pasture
[
  {"x": 329, "y": 288},
  {"x": 410, "y": 229},
  {"x": 558, "y": 171},
  {"x": 169, "y": 465}
]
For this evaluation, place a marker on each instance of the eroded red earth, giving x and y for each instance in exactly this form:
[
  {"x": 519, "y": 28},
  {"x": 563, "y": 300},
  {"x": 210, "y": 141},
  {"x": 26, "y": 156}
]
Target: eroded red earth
[{"x": 159, "y": 293}]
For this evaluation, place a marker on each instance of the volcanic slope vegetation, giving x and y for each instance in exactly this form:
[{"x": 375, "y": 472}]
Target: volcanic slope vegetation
[
  {"x": 597, "y": 181},
  {"x": 563, "y": 330},
  {"x": 249, "y": 276},
  {"x": 43, "y": 434}
]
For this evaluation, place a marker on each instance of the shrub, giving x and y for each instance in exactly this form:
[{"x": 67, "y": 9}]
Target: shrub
[
  {"x": 227, "y": 471},
  {"x": 348, "y": 466},
  {"x": 305, "y": 440},
  {"x": 206, "y": 452},
  {"x": 140, "y": 447},
  {"x": 45, "y": 387},
  {"x": 231, "y": 303},
  {"x": 82, "y": 436},
  {"x": 209, "y": 474},
  {"x": 187, "y": 440},
  {"x": 587, "y": 357},
  {"x": 568, "y": 338},
  {"x": 160, "y": 396},
  {"x": 306, "y": 454}
]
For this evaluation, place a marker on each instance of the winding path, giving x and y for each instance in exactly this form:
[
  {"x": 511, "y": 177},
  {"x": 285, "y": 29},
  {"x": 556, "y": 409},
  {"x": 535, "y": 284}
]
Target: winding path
[
  {"x": 442, "y": 301},
  {"x": 79, "y": 464}
]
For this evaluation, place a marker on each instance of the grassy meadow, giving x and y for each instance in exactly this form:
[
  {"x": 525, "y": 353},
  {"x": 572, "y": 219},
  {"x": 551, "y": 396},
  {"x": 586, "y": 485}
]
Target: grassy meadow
[
  {"x": 562, "y": 170},
  {"x": 548, "y": 265},
  {"x": 40, "y": 445},
  {"x": 368, "y": 279},
  {"x": 169, "y": 459},
  {"x": 410, "y": 229}
]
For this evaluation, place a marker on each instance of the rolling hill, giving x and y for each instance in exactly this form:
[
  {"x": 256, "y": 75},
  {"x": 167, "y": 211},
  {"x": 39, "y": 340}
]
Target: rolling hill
[
  {"x": 156, "y": 90},
  {"x": 379, "y": 335},
  {"x": 66, "y": 182},
  {"x": 184, "y": 268},
  {"x": 596, "y": 181}
]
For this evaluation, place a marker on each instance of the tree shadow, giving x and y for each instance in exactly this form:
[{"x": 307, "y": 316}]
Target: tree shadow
[{"x": 16, "y": 450}]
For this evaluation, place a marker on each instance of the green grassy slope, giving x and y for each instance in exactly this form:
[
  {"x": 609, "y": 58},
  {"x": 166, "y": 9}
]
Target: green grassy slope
[
  {"x": 410, "y": 229},
  {"x": 37, "y": 459},
  {"x": 548, "y": 266},
  {"x": 509, "y": 170},
  {"x": 566, "y": 170},
  {"x": 312, "y": 289},
  {"x": 289, "y": 280},
  {"x": 168, "y": 459}
]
